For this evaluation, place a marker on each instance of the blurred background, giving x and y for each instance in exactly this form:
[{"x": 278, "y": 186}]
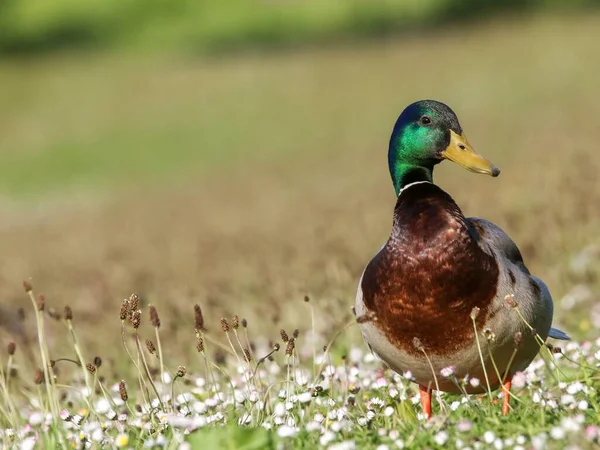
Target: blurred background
[{"x": 233, "y": 154}]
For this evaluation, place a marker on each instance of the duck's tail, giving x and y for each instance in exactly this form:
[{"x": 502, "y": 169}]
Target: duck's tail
[{"x": 555, "y": 333}]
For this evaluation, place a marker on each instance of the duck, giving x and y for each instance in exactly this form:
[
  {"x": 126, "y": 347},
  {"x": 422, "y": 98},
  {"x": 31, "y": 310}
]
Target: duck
[{"x": 447, "y": 294}]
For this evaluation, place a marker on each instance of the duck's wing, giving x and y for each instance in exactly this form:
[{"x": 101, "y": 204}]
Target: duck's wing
[{"x": 492, "y": 235}]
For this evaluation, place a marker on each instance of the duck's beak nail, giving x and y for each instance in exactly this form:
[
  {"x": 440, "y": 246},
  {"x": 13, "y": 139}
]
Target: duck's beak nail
[{"x": 460, "y": 151}]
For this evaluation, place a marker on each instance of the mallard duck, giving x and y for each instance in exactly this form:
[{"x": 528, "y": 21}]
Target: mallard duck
[{"x": 447, "y": 291}]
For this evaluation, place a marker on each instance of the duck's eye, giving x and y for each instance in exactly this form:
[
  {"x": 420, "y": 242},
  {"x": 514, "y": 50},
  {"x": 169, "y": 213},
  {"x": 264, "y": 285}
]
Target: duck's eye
[{"x": 425, "y": 120}]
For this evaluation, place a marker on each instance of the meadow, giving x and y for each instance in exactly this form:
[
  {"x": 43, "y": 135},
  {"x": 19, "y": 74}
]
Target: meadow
[
  {"x": 244, "y": 185},
  {"x": 205, "y": 27}
]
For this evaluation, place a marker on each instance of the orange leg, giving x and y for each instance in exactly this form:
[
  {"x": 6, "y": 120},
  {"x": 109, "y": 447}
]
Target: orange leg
[
  {"x": 425, "y": 394},
  {"x": 506, "y": 389}
]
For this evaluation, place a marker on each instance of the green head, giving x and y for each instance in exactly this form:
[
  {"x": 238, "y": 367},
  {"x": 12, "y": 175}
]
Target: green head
[{"x": 426, "y": 133}]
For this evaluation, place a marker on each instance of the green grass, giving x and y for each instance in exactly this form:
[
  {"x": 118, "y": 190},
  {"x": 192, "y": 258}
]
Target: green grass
[
  {"x": 278, "y": 396},
  {"x": 36, "y": 26},
  {"x": 74, "y": 122}
]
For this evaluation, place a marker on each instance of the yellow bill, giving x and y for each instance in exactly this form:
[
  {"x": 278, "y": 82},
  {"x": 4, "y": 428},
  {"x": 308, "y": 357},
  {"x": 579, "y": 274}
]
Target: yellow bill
[{"x": 461, "y": 152}]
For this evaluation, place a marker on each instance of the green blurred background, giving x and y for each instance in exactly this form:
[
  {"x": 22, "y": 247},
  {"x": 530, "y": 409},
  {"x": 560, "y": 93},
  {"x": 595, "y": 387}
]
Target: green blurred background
[
  {"x": 233, "y": 153},
  {"x": 37, "y": 26}
]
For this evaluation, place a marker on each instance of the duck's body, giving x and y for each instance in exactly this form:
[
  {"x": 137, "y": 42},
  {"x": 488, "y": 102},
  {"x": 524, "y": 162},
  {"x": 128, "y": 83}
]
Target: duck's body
[
  {"x": 442, "y": 291},
  {"x": 423, "y": 285}
]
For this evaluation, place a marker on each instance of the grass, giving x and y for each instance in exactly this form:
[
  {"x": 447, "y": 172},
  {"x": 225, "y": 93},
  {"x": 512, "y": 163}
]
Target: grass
[
  {"x": 245, "y": 184},
  {"x": 276, "y": 395},
  {"x": 103, "y": 120},
  {"x": 35, "y": 27}
]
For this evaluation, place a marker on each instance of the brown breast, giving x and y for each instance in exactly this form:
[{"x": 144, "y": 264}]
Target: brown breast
[{"x": 430, "y": 275}]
